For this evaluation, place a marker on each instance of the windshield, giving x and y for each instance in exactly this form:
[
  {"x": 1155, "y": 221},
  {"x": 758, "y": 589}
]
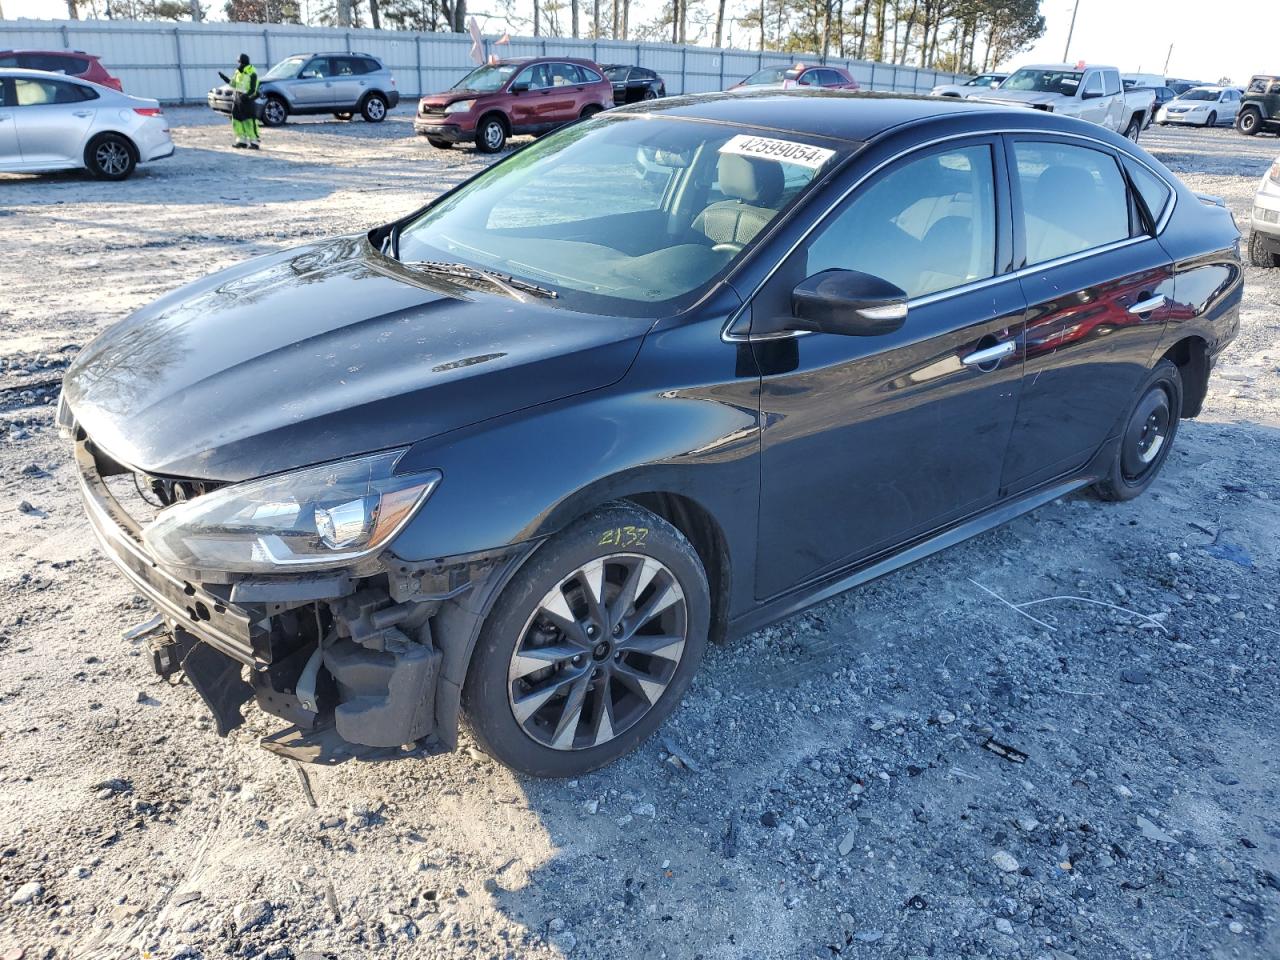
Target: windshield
[
  {"x": 767, "y": 75},
  {"x": 615, "y": 73},
  {"x": 982, "y": 82},
  {"x": 1200, "y": 94},
  {"x": 1062, "y": 82},
  {"x": 623, "y": 215},
  {"x": 487, "y": 79},
  {"x": 286, "y": 69}
]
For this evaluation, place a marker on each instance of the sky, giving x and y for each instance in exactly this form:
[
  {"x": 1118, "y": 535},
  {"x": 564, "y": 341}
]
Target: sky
[{"x": 1235, "y": 40}]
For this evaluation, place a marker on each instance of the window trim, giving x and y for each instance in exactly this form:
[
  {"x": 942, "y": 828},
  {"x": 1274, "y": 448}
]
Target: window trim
[{"x": 729, "y": 334}]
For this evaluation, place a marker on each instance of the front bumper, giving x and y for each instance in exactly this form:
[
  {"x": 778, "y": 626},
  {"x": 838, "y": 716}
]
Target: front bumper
[
  {"x": 220, "y": 104},
  {"x": 438, "y": 128},
  {"x": 1265, "y": 215},
  {"x": 1194, "y": 119}
]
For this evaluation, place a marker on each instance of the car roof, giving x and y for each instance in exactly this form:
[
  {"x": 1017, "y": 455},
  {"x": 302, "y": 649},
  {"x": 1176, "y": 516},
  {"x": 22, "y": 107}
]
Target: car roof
[
  {"x": 1066, "y": 66},
  {"x": 332, "y": 53},
  {"x": 45, "y": 74},
  {"x": 577, "y": 60},
  {"x": 71, "y": 53},
  {"x": 839, "y": 114}
]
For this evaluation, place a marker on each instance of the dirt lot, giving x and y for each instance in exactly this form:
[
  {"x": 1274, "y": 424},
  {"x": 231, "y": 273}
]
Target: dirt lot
[{"x": 824, "y": 791}]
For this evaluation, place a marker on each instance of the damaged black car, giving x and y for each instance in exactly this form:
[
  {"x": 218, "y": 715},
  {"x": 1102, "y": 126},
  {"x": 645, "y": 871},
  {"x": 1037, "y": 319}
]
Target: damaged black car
[{"x": 662, "y": 377}]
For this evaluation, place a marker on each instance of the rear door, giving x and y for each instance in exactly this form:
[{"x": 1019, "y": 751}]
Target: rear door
[
  {"x": 868, "y": 442},
  {"x": 559, "y": 102},
  {"x": 349, "y": 82},
  {"x": 1098, "y": 288},
  {"x": 52, "y": 119}
]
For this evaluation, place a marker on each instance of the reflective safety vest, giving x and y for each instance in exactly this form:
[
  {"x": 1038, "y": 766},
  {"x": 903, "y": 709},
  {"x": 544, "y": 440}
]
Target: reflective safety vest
[{"x": 245, "y": 81}]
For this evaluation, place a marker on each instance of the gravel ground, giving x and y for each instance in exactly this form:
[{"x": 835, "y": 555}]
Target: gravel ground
[{"x": 833, "y": 786}]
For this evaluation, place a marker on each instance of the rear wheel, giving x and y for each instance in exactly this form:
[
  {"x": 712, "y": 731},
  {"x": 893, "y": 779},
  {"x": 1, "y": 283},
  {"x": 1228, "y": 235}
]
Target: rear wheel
[
  {"x": 491, "y": 134},
  {"x": 591, "y": 646},
  {"x": 1212, "y": 119},
  {"x": 650, "y": 94},
  {"x": 1147, "y": 437},
  {"x": 1260, "y": 254},
  {"x": 1134, "y": 129},
  {"x": 590, "y": 110},
  {"x": 374, "y": 108},
  {"x": 1249, "y": 122},
  {"x": 110, "y": 157},
  {"x": 274, "y": 112}
]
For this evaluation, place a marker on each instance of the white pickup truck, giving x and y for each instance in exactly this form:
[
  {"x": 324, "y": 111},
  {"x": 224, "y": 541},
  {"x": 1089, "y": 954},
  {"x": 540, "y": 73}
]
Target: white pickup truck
[{"x": 1087, "y": 92}]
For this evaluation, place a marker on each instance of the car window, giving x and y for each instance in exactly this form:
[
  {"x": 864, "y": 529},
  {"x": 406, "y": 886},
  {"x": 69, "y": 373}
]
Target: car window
[
  {"x": 830, "y": 78},
  {"x": 537, "y": 77},
  {"x": 318, "y": 67},
  {"x": 1073, "y": 199},
  {"x": 639, "y": 73},
  {"x": 565, "y": 75},
  {"x": 35, "y": 93},
  {"x": 1155, "y": 193},
  {"x": 348, "y": 66},
  {"x": 927, "y": 225},
  {"x": 1093, "y": 84},
  {"x": 6, "y": 97},
  {"x": 1110, "y": 82},
  {"x": 589, "y": 75}
]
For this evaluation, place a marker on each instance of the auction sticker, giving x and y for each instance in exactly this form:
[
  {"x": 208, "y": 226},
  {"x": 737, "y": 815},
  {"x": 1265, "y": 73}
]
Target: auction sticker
[{"x": 786, "y": 151}]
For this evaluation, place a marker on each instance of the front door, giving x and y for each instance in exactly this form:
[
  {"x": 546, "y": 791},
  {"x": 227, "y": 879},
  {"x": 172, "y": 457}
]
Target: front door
[
  {"x": 52, "y": 120},
  {"x": 870, "y": 441},
  {"x": 314, "y": 86},
  {"x": 1097, "y": 301}
]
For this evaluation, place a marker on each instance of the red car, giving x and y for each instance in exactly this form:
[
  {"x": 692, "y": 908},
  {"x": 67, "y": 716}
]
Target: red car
[
  {"x": 831, "y": 78},
  {"x": 509, "y": 97},
  {"x": 74, "y": 63}
]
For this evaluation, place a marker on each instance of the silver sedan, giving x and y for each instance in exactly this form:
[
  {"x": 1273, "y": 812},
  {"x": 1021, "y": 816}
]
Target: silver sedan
[{"x": 54, "y": 122}]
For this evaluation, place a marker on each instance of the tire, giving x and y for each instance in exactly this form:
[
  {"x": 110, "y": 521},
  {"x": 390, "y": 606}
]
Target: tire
[
  {"x": 1147, "y": 436},
  {"x": 342, "y": 116},
  {"x": 439, "y": 144},
  {"x": 110, "y": 157},
  {"x": 1259, "y": 255},
  {"x": 650, "y": 94},
  {"x": 563, "y": 719},
  {"x": 374, "y": 108},
  {"x": 590, "y": 110},
  {"x": 275, "y": 112},
  {"x": 491, "y": 133},
  {"x": 1249, "y": 122},
  {"x": 1134, "y": 129},
  {"x": 1212, "y": 119}
]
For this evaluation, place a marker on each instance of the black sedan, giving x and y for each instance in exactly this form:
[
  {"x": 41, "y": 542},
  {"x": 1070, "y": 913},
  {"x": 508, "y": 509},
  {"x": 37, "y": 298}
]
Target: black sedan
[
  {"x": 633, "y": 84},
  {"x": 523, "y": 452}
]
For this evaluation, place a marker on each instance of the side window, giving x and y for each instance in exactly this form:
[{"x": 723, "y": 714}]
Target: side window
[
  {"x": 1110, "y": 82},
  {"x": 536, "y": 76},
  {"x": 1155, "y": 193},
  {"x": 319, "y": 67},
  {"x": 8, "y": 60},
  {"x": 927, "y": 225},
  {"x": 1073, "y": 199},
  {"x": 1093, "y": 84},
  {"x": 1275, "y": 87},
  {"x": 590, "y": 76},
  {"x": 564, "y": 75},
  {"x": 366, "y": 65},
  {"x": 36, "y": 93}
]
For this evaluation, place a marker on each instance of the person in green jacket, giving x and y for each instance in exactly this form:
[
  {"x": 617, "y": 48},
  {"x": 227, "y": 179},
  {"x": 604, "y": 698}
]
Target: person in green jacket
[{"x": 244, "y": 115}]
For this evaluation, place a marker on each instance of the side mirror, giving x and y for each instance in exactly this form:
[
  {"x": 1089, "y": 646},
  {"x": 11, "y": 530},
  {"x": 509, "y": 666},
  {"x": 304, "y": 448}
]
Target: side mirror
[
  {"x": 1091, "y": 95},
  {"x": 309, "y": 75},
  {"x": 520, "y": 86},
  {"x": 848, "y": 303}
]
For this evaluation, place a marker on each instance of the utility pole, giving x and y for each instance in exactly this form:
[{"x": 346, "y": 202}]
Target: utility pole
[
  {"x": 1167, "y": 58},
  {"x": 1071, "y": 30}
]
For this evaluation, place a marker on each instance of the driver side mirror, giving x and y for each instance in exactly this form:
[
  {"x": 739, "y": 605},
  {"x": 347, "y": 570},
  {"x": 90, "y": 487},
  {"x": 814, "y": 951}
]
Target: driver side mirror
[
  {"x": 847, "y": 303},
  {"x": 520, "y": 86},
  {"x": 1091, "y": 95},
  {"x": 309, "y": 75}
]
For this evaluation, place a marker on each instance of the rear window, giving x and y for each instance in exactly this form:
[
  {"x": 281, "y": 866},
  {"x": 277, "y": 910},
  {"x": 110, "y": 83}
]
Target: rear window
[
  {"x": 1155, "y": 193},
  {"x": 54, "y": 63},
  {"x": 37, "y": 93}
]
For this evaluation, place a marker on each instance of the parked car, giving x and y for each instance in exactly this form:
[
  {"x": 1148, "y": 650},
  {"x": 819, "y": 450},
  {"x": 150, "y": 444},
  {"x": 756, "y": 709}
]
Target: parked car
[
  {"x": 1090, "y": 93},
  {"x": 63, "y": 123},
  {"x": 1202, "y": 106},
  {"x": 342, "y": 84},
  {"x": 74, "y": 63},
  {"x": 983, "y": 81},
  {"x": 631, "y": 84},
  {"x": 594, "y": 422},
  {"x": 1180, "y": 87},
  {"x": 832, "y": 78},
  {"x": 1264, "y": 223},
  {"x": 511, "y": 97},
  {"x": 1260, "y": 106},
  {"x": 1161, "y": 95}
]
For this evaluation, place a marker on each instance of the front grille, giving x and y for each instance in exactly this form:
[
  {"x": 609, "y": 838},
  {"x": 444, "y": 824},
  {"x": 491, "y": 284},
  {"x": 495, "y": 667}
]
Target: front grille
[{"x": 426, "y": 110}]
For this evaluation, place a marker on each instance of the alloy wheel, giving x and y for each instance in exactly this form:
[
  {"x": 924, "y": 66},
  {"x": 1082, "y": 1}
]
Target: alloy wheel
[
  {"x": 493, "y": 135},
  {"x": 376, "y": 109},
  {"x": 598, "y": 652},
  {"x": 112, "y": 158},
  {"x": 273, "y": 113}
]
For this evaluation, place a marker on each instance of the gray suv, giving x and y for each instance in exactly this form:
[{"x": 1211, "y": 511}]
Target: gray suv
[{"x": 343, "y": 84}]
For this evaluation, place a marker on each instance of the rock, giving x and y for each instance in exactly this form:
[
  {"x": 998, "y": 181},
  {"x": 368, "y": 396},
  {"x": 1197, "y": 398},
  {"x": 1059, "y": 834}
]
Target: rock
[
  {"x": 1152, "y": 832},
  {"x": 1135, "y": 675},
  {"x": 848, "y": 842},
  {"x": 1004, "y": 926},
  {"x": 591, "y": 806},
  {"x": 30, "y": 511},
  {"x": 645, "y": 810},
  {"x": 564, "y": 942},
  {"x": 491, "y": 885},
  {"x": 251, "y": 914},
  {"x": 868, "y": 936},
  {"x": 768, "y": 819},
  {"x": 1235, "y": 926},
  {"x": 1123, "y": 791},
  {"x": 1005, "y": 861},
  {"x": 114, "y": 785},
  {"x": 26, "y": 893},
  {"x": 946, "y": 717}
]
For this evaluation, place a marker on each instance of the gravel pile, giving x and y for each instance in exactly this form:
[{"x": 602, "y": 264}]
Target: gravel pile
[{"x": 1057, "y": 740}]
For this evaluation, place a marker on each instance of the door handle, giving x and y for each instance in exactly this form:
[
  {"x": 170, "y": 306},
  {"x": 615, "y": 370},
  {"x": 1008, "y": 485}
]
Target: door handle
[
  {"x": 82, "y": 113},
  {"x": 1149, "y": 304},
  {"x": 989, "y": 354}
]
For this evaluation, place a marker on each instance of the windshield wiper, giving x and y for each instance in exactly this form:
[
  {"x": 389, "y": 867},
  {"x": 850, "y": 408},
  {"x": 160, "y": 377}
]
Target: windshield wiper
[{"x": 511, "y": 286}]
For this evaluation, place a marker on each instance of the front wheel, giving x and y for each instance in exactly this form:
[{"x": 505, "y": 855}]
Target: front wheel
[
  {"x": 1147, "y": 437},
  {"x": 1211, "y": 120},
  {"x": 1249, "y": 122},
  {"x": 374, "y": 108},
  {"x": 274, "y": 112},
  {"x": 591, "y": 646},
  {"x": 111, "y": 157},
  {"x": 1260, "y": 254},
  {"x": 491, "y": 135}
]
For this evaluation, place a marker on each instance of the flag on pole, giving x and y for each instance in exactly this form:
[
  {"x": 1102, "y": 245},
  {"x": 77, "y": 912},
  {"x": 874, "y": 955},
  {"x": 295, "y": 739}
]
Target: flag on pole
[
  {"x": 477, "y": 41},
  {"x": 505, "y": 38}
]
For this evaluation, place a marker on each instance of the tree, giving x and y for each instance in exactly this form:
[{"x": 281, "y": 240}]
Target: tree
[{"x": 263, "y": 11}]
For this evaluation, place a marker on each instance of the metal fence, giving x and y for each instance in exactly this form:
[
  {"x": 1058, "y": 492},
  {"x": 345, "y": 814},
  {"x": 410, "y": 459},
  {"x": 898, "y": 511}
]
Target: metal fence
[{"x": 178, "y": 63}]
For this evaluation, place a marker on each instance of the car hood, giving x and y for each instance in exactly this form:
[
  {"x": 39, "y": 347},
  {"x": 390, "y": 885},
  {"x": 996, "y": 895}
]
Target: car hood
[
  {"x": 324, "y": 352},
  {"x": 444, "y": 99},
  {"x": 1025, "y": 98}
]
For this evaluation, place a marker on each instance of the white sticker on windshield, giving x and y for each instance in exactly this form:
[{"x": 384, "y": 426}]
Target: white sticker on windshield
[{"x": 787, "y": 151}]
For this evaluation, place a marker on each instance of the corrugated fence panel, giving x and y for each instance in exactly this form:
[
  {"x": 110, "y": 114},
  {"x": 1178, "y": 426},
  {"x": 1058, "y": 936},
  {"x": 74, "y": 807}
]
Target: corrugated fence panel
[{"x": 179, "y": 62}]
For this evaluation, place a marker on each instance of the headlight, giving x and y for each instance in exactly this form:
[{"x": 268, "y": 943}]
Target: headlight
[
  {"x": 459, "y": 106},
  {"x": 306, "y": 519}
]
